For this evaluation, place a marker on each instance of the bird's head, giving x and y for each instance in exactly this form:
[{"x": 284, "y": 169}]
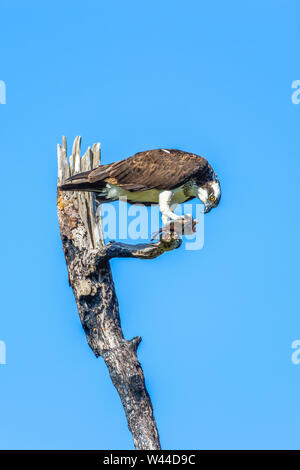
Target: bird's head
[{"x": 210, "y": 195}]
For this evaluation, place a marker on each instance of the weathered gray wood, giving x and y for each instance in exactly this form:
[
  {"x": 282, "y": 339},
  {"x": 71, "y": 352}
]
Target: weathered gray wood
[{"x": 90, "y": 277}]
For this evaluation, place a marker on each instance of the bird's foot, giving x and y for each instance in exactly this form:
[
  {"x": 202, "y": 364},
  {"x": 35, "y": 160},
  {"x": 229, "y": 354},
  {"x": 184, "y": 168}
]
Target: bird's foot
[
  {"x": 176, "y": 217},
  {"x": 188, "y": 224},
  {"x": 182, "y": 217},
  {"x": 183, "y": 225}
]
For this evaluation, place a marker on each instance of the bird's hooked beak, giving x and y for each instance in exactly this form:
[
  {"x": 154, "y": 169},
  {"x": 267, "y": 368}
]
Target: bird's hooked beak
[{"x": 207, "y": 208}]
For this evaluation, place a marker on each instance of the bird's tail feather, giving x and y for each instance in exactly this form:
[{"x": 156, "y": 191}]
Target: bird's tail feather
[
  {"x": 84, "y": 186},
  {"x": 101, "y": 193},
  {"x": 79, "y": 182}
]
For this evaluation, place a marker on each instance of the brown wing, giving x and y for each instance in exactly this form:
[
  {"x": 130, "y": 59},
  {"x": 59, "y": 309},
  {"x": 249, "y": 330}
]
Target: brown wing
[{"x": 160, "y": 169}]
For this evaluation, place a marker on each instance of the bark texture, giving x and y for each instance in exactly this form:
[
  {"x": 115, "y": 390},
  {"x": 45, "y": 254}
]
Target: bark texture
[{"x": 87, "y": 259}]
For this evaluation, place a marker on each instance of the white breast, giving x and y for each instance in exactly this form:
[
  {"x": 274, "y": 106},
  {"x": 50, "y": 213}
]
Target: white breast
[{"x": 152, "y": 195}]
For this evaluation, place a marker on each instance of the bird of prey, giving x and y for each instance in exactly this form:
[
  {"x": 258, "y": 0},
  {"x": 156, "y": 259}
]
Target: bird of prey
[{"x": 162, "y": 176}]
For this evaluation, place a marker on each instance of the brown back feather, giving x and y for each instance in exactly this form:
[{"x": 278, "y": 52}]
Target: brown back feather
[{"x": 158, "y": 169}]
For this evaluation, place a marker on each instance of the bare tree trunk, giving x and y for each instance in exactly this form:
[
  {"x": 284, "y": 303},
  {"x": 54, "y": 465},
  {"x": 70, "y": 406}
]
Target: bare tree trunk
[{"x": 90, "y": 277}]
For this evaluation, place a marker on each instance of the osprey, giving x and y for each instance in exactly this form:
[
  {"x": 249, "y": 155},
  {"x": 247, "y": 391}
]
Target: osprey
[{"x": 167, "y": 177}]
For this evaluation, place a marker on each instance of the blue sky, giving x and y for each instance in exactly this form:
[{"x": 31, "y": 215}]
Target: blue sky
[{"x": 217, "y": 324}]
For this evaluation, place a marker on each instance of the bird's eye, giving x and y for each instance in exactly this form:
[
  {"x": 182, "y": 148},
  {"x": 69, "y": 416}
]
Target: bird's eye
[{"x": 212, "y": 198}]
